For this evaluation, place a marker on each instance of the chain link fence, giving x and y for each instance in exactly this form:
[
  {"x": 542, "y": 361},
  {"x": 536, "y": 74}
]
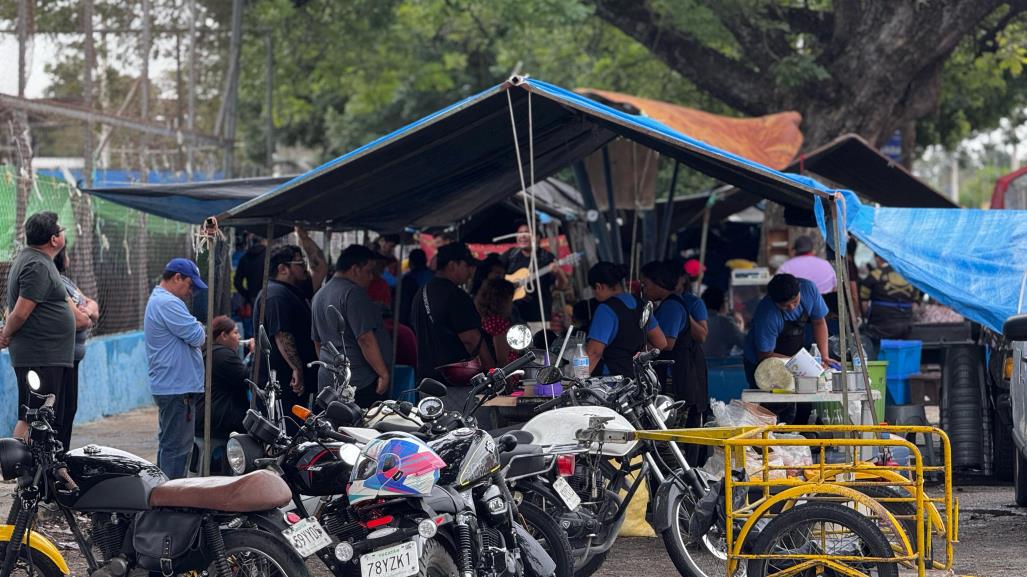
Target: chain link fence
[{"x": 117, "y": 253}]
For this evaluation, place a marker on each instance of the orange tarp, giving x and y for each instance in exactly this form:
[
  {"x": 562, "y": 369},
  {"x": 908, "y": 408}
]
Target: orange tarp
[{"x": 772, "y": 140}]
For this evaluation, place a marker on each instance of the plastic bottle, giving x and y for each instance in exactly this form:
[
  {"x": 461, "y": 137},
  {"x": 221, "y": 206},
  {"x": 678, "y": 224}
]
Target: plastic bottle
[
  {"x": 580, "y": 362},
  {"x": 857, "y": 360},
  {"x": 815, "y": 351}
]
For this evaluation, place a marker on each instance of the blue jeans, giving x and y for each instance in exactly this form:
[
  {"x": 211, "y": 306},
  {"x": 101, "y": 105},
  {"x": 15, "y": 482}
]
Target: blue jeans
[{"x": 175, "y": 433}]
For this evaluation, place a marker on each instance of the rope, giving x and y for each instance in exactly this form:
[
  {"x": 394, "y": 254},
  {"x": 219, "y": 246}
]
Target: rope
[
  {"x": 205, "y": 235},
  {"x": 529, "y": 208}
]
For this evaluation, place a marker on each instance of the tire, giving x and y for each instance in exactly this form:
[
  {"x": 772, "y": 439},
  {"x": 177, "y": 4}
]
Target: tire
[
  {"x": 897, "y": 508},
  {"x": 1003, "y": 450},
  {"x": 705, "y": 559},
  {"x": 41, "y": 564},
  {"x": 435, "y": 561},
  {"x": 246, "y": 545},
  {"x": 876, "y": 544},
  {"x": 592, "y": 565},
  {"x": 550, "y": 535},
  {"x": 1020, "y": 479}
]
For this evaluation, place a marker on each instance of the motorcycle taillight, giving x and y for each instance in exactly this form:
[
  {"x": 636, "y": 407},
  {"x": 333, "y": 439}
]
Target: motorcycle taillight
[{"x": 565, "y": 465}]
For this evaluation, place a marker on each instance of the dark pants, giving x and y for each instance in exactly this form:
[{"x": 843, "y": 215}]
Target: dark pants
[
  {"x": 52, "y": 381},
  {"x": 176, "y": 424}
]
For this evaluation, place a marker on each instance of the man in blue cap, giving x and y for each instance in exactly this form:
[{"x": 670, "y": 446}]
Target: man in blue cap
[{"x": 173, "y": 341}]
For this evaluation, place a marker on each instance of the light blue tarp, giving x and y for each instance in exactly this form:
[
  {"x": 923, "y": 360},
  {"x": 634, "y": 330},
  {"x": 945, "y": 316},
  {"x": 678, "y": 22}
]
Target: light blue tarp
[{"x": 970, "y": 260}]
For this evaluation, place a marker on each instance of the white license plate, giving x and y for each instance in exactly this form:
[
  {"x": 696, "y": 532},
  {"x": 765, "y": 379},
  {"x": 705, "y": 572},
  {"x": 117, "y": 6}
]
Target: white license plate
[
  {"x": 396, "y": 561},
  {"x": 307, "y": 537},
  {"x": 567, "y": 495}
]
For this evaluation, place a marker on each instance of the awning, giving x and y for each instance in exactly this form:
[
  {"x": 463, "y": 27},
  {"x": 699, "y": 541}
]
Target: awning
[
  {"x": 189, "y": 202},
  {"x": 452, "y": 163},
  {"x": 849, "y": 162}
]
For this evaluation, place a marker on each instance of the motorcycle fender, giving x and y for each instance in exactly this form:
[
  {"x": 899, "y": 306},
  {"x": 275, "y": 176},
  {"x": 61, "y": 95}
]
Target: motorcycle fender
[
  {"x": 537, "y": 562},
  {"x": 663, "y": 516},
  {"x": 40, "y": 544},
  {"x": 272, "y": 521}
]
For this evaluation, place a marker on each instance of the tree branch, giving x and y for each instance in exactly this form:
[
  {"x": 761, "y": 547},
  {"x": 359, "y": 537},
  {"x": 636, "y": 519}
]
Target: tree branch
[
  {"x": 724, "y": 78},
  {"x": 761, "y": 44},
  {"x": 819, "y": 23}
]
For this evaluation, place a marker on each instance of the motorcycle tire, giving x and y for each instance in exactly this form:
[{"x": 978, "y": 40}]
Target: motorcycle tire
[
  {"x": 550, "y": 535},
  {"x": 283, "y": 560},
  {"x": 876, "y": 543},
  {"x": 42, "y": 566},
  {"x": 435, "y": 561},
  {"x": 692, "y": 560}
]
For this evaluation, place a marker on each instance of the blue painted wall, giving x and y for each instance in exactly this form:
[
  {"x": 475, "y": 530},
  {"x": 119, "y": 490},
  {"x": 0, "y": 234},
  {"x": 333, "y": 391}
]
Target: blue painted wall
[{"x": 112, "y": 380}]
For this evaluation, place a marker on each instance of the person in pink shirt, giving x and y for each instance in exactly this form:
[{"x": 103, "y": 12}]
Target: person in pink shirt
[{"x": 805, "y": 264}]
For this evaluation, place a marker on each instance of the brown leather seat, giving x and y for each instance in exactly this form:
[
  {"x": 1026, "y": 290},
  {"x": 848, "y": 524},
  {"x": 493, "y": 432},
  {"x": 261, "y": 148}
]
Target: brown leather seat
[{"x": 256, "y": 491}]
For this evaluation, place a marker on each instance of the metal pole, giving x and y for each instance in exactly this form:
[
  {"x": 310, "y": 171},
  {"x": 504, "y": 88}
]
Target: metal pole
[
  {"x": 270, "y": 101},
  {"x": 87, "y": 89},
  {"x": 396, "y": 303},
  {"x": 212, "y": 286},
  {"x": 668, "y": 213},
  {"x": 144, "y": 90},
  {"x": 257, "y": 355},
  {"x": 191, "y": 98},
  {"x": 839, "y": 269},
  {"x": 618, "y": 250},
  {"x": 705, "y": 236}
]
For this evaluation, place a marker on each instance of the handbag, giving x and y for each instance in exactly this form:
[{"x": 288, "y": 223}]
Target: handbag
[{"x": 169, "y": 542}]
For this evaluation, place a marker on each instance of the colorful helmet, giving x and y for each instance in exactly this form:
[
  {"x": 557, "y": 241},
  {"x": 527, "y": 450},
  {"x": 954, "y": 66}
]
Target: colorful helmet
[{"x": 394, "y": 465}]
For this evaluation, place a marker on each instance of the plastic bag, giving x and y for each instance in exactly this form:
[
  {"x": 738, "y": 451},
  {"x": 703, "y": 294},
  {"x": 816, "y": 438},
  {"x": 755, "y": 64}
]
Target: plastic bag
[
  {"x": 741, "y": 414},
  {"x": 791, "y": 455}
]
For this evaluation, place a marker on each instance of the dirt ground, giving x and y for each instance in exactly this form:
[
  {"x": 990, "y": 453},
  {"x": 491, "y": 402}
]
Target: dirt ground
[{"x": 993, "y": 532}]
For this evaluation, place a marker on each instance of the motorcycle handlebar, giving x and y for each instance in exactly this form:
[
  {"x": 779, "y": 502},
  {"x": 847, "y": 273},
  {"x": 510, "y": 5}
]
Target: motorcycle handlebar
[{"x": 647, "y": 356}]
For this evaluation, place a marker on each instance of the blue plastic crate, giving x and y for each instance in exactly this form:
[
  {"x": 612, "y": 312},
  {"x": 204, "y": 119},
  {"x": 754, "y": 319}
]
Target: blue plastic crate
[
  {"x": 898, "y": 391},
  {"x": 903, "y": 357},
  {"x": 726, "y": 378}
]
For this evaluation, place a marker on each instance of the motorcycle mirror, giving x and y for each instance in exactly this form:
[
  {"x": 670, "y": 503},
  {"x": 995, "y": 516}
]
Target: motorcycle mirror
[
  {"x": 341, "y": 414},
  {"x": 647, "y": 313},
  {"x": 432, "y": 388},
  {"x": 33, "y": 380},
  {"x": 265, "y": 343},
  {"x": 326, "y": 397},
  {"x": 549, "y": 375},
  {"x": 518, "y": 337}
]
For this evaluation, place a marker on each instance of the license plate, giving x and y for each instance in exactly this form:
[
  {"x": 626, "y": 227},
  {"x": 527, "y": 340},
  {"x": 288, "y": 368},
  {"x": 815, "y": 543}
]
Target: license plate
[
  {"x": 567, "y": 495},
  {"x": 307, "y": 537},
  {"x": 396, "y": 561}
]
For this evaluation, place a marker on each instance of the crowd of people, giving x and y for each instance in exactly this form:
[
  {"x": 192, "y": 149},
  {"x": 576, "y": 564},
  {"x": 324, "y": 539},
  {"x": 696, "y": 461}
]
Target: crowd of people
[{"x": 452, "y": 315}]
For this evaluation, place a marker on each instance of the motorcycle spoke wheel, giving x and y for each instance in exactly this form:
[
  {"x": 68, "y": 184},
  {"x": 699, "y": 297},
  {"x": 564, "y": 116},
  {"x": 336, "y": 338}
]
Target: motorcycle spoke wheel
[
  {"x": 257, "y": 554},
  {"x": 705, "y": 558},
  {"x": 41, "y": 566}
]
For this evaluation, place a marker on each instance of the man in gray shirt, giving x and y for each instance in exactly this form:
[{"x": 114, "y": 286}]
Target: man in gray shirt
[
  {"x": 40, "y": 327},
  {"x": 364, "y": 339}
]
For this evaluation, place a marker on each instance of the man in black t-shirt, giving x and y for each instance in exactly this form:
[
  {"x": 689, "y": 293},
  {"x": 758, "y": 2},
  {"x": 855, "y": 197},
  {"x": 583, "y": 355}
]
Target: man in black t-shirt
[
  {"x": 287, "y": 323},
  {"x": 518, "y": 258},
  {"x": 448, "y": 326}
]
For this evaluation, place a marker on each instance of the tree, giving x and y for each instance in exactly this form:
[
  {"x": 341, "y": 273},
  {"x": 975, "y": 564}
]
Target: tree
[{"x": 848, "y": 66}]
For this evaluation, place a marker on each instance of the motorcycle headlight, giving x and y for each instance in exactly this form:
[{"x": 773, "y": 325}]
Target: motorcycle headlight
[
  {"x": 241, "y": 451},
  {"x": 14, "y": 455}
]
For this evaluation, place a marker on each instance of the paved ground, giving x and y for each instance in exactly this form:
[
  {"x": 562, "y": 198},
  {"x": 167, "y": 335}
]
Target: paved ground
[{"x": 993, "y": 532}]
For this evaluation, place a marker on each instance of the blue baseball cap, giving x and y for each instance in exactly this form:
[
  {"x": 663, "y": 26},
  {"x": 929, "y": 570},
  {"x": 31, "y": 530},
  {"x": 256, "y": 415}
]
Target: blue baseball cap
[{"x": 186, "y": 267}]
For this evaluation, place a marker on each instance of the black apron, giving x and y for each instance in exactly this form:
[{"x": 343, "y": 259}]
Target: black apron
[
  {"x": 687, "y": 379},
  {"x": 793, "y": 336},
  {"x": 628, "y": 341}
]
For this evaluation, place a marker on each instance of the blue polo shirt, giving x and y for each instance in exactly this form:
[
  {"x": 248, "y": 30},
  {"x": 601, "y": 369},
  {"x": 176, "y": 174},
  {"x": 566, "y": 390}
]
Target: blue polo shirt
[
  {"x": 769, "y": 320},
  {"x": 605, "y": 323},
  {"x": 173, "y": 339}
]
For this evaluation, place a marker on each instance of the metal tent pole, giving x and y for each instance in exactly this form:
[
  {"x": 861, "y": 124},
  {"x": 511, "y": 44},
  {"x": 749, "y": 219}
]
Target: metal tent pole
[
  {"x": 668, "y": 213},
  {"x": 611, "y": 214},
  {"x": 208, "y": 368},
  {"x": 257, "y": 352}
]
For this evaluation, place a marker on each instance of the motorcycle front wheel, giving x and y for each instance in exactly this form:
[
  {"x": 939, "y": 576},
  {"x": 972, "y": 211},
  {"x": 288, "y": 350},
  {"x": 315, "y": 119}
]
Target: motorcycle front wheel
[
  {"x": 258, "y": 554},
  {"x": 708, "y": 557},
  {"x": 550, "y": 535},
  {"x": 40, "y": 565}
]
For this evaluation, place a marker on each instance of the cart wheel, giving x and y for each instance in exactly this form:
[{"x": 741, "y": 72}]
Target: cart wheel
[{"x": 823, "y": 529}]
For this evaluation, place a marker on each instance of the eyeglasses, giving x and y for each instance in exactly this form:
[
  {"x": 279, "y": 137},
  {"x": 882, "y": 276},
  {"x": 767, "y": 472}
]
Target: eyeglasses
[
  {"x": 60, "y": 231},
  {"x": 302, "y": 263}
]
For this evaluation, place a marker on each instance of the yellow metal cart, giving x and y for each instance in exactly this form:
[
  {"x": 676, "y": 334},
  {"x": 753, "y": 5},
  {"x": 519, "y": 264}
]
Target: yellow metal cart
[{"x": 920, "y": 530}]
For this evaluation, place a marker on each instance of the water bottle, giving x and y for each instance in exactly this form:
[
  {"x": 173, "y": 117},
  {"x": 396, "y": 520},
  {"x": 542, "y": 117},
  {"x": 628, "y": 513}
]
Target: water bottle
[
  {"x": 815, "y": 351},
  {"x": 580, "y": 363},
  {"x": 857, "y": 360}
]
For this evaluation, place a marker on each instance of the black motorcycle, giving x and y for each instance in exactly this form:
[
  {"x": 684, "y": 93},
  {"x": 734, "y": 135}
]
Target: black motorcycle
[{"x": 139, "y": 522}]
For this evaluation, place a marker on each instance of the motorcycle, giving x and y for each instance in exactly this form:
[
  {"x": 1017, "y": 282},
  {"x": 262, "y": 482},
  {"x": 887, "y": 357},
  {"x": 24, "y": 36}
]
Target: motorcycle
[
  {"x": 139, "y": 522},
  {"x": 583, "y": 491}
]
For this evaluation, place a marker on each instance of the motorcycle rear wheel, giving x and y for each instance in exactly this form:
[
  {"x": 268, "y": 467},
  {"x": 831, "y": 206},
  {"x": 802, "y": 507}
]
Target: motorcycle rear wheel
[
  {"x": 42, "y": 566},
  {"x": 256, "y": 553}
]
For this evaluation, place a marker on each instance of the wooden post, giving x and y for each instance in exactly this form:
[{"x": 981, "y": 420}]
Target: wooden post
[
  {"x": 212, "y": 286},
  {"x": 843, "y": 349}
]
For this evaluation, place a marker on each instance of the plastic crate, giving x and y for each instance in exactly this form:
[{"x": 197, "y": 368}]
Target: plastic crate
[
  {"x": 726, "y": 378},
  {"x": 898, "y": 391},
  {"x": 903, "y": 357}
]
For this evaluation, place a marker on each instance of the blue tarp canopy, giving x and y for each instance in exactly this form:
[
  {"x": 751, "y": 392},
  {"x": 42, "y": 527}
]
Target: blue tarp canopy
[
  {"x": 462, "y": 158},
  {"x": 190, "y": 202},
  {"x": 970, "y": 260}
]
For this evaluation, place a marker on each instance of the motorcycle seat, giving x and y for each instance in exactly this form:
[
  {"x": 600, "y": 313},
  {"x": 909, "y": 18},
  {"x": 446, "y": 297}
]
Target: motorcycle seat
[
  {"x": 530, "y": 459},
  {"x": 257, "y": 491}
]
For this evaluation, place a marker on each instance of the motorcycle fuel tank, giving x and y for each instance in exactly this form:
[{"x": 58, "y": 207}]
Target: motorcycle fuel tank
[
  {"x": 559, "y": 426},
  {"x": 110, "y": 480}
]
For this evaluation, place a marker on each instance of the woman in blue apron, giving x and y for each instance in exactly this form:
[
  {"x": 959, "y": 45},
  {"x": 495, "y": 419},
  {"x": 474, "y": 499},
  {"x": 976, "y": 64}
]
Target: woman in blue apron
[
  {"x": 778, "y": 329},
  {"x": 616, "y": 334}
]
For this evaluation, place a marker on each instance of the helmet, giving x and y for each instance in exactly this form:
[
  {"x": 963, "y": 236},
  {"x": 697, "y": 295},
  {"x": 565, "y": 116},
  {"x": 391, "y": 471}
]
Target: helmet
[
  {"x": 459, "y": 374},
  {"x": 394, "y": 465}
]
